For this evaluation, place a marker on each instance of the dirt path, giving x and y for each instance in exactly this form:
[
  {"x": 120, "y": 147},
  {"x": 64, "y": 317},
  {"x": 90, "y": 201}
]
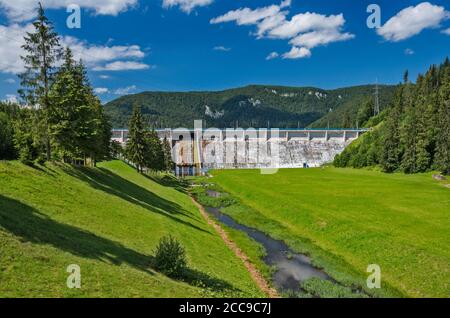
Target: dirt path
[{"x": 254, "y": 273}]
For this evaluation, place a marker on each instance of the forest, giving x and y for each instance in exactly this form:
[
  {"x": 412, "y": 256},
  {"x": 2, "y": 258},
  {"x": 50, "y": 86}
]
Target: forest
[
  {"x": 61, "y": 119},
  {"x": 413, "y": 134},
  {"x": 250, "y": 106}
]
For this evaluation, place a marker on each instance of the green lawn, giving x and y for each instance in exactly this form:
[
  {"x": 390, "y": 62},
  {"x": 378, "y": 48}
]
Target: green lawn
[
  {"x": 107, "y": 220},
  {"x": 347, "y": 219}
]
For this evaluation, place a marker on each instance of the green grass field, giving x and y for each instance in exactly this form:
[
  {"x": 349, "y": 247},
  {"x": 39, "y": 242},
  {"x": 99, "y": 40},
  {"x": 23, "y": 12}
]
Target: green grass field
[
  {"x": 347, "y": 219},
  {"x": 107, "y": 220}
]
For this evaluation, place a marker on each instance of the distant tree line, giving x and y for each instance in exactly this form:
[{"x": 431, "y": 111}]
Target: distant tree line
[
  {"x": 144, "y": 148},
  {"x": 413, "y": 134},
  {"x": 60, "y": 117}
]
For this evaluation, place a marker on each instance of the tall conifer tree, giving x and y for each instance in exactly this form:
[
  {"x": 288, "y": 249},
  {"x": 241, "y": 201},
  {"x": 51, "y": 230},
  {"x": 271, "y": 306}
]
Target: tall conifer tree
[
  {"x": 167, "y": 151},
  {"x": 442, "y": 150},
  {"x": 137, "y": 144},
  {"x": 391, "y": 139},
  {"x": 42, "y": 51}
]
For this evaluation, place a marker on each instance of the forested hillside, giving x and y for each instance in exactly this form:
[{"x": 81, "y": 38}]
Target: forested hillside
[
  {"x": 250, "y": 106},
  {"x": 356, "y": 111},
  {"x": 415, "y": 134}
]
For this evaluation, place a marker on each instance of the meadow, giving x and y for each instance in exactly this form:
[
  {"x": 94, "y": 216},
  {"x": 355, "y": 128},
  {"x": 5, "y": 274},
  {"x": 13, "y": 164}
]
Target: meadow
[
  {"x": 108, "y": 220},
  {"x": 347, "y": 219}
]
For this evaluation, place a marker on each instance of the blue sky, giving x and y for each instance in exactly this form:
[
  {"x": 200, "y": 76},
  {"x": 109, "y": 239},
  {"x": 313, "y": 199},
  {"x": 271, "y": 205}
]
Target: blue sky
[{"x": 136, "y": 45}]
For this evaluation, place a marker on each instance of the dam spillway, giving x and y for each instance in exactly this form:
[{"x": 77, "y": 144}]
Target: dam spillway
[{"x": 252, "y": 148}]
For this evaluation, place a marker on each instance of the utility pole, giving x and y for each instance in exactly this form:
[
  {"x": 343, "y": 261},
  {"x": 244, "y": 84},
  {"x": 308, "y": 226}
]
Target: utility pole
[{"x": 376, "y": 107}]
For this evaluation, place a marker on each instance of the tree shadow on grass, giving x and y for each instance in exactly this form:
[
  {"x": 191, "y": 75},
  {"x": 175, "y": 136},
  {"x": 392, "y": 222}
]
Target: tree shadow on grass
[
  {"x": 111, "y": 183},
  {"x": 169, "y": 181},
  {"x": 44, "y": 168},
  {"x": 30, "y": 225},
  {"x": 196, "y": 278}
]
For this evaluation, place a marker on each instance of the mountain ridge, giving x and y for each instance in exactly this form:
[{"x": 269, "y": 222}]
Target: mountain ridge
[{"x": 247, "y": 106}]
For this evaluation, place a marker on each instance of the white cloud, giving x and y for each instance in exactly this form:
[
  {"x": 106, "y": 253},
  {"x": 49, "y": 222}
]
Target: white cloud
[
  {"x": 409, "y": 51},
  {"x": 104, "y": 76},
  {"x": 94, "y": 56},
  {"x": 446, "y": 31},
  {"x": 247, "y": 16},
  {"x": 125, "y": 90},
  {"x": 305, "y": 22},
  {"x": 122, "y": 66},
  {"x": 270, "y": 23},
  {"x": 297, "y": 53},
  {"x": 24, "y": 10},
  {"x": 315, "y": 38},
  {"x": 222, "y": 48},
  {"x": 186, "y": 5},
  {"x": 101, "y": 90},
  {"x": 412, "y": 20},
  {"x": 11, "y": 40},
  {"x": 272, "y": 56},
  {"x": 10, "y": 80},
  {"x": 304, "y": 30}
]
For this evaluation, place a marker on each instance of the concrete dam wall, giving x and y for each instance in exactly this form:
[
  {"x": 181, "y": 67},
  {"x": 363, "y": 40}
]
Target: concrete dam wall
[{"x": 251, "y": 148}]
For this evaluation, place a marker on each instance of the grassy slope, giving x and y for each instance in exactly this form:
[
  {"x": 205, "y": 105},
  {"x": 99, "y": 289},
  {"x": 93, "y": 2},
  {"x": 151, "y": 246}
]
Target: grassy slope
[
  {"x": 350, "y": 218},
  {"x": 108, "y": 221}
]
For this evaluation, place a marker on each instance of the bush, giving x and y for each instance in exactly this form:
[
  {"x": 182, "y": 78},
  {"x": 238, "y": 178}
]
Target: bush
[{"x": 170, "y": 257}]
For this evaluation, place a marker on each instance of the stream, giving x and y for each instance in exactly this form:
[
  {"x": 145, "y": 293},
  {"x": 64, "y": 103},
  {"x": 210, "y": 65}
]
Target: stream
[{"x": 291, "y": 268}]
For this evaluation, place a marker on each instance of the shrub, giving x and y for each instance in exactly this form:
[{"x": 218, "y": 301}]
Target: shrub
[{"x": 170, "y": 257}]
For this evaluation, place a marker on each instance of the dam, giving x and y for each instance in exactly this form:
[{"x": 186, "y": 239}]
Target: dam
[{"x": 198, "y": 150}]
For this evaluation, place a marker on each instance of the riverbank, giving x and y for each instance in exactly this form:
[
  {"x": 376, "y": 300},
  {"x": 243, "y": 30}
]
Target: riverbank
[
  {"x": 292, "y": 274},
  {"x": 346, "y": 219}
]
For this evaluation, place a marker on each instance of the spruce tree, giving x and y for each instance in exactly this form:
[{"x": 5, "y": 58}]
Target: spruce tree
[
  {"x": 442, "y": 150},
  {"x": 101, "y": 136},
  {"x": 65, "y": 96},
  {"x": 409, "y": 139},
  {"x": 93, "y": 129},
  {"x": 136, "y": 144},
  {"x": 42, "y": 53},
  {"x": 167, "y": 151},
  {"x": 29, "y": 149},
  {"x": 346, "y": 120},
  {"x": 408, "y": 128},
  {"x": 391, "y": 140},
  {"x": 154, "y": 152},
  {"x": 8, "y": 112},
  {"x": 365, "y": 112},
  {"x": 406, "y": 77},
  {"x": 423, "y": 140}
]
